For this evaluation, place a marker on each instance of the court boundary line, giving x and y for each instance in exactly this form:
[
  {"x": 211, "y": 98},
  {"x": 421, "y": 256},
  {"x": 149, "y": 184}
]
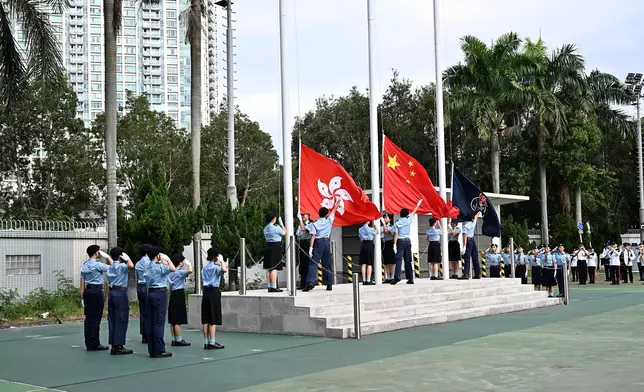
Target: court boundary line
[{"x": 38, "y": 388}]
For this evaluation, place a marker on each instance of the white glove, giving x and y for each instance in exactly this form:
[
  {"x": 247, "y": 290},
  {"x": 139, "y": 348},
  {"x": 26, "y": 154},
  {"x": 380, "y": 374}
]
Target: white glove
[
  {"x": 187, "y": 262},
  {"x": 311, "y": 252},
  {"x": 419, "y": 203},
  {"x": 103, "y": 254},
  {"x": 125, "y": 257},
  {"x": 280, "y": 220},
  {"x": 83, "y": 303},
  {"x": 220, "y": 258},
  {"x": 395, "y": 249},
  {"x": 164, "y": 256},
  {"x": 382, "y": 220},
  {"x": 526, "y": 274}
]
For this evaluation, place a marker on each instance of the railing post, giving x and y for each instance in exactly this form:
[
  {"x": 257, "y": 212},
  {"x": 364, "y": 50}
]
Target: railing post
[
  {"x": 242, "y": 266},
  {"x": 512, "y": 256},
  {"x": 333, "y": 262},
  {"x": 292, "y": 274},
  {"x": 565, "y": 282},
  {"x": 356, "y": 306}
]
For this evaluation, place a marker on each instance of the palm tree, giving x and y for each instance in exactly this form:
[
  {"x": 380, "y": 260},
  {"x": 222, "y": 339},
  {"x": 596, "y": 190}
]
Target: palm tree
[
  {"x": 481, "y": 84},
  {"x": 39, "y": 62}
]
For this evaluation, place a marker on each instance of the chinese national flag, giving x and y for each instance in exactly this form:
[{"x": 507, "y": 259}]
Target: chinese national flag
[
  {"x": 322, "y": 181},
  {"x": 406, "y": 182}
]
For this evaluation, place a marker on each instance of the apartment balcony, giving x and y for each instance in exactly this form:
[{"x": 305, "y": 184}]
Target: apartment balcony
[
  {"x": 151, "y": 24},
  {"x": 150, "y": 15},
  {"x": 151, "y": 34},
  {"x": 151, "y": 53},
  {"x": 77, "y": 22},
  {"x": 75, "y": 30},
  {"x": 147, "y": 61}
]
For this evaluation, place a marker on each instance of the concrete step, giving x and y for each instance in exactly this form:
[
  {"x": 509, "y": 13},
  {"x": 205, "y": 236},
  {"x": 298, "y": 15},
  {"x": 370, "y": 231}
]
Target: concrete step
[
  {"x": 369, "y": 304},
  {"x": 392, "y": 324},
  {"x": 421, "y": 310}
]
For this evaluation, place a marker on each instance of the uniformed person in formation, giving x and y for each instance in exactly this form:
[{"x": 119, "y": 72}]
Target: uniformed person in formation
[
  {"x": 454, "y": 249},
  {"x": 434, "y": 248},
  {"x": 521, "y": 267},
  {"x": 492, "y": 259},
  {"x": 91, "y": 286},
  {"x": 388, "y": 255},
  {"x": 582, "y": 264},
  {"x": 118, "y": 305},
  {"x": 471, "y": 251},
  {"x": 304, "y": 239},
  {"x": 320, "y": 248},
  {"x": 156, "y": 278},
  {"x": 640, "y": 260},
  {"x": 507, "y": 262},
  {"x": 605, "y": 261},
  {"x": 613, "y": 254},
  {"x": 573, "y": 267},
  {"x": 592, "y": 265},
  {"x": 211, "y": 302},
  {"x": 548, "y": 270},
  {"x": 177, "y": 312},
  {"x": 535, "y": 266},
  {"x": 562, "y": 260},
  {"x": 142, "y": 289},
  {"x": 273, "y": 251},
  {"x": 366, "y": 234},
  {"x": 402, "y": 244}
]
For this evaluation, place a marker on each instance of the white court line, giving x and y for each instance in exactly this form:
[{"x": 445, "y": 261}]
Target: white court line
[
  {"x": 47, "y": 337},
  {"x": 256, "y": 351},
  {"x": 38, "y": 389},
  {"x": 33, "y": 336}
]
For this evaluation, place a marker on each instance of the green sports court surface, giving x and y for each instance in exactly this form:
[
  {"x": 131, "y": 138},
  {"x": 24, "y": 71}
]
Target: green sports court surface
[{"x": 596, "y": 344}]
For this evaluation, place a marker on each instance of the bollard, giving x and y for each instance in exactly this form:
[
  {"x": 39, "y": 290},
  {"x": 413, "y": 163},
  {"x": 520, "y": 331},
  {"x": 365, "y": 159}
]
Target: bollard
[
  {"x": 350, "y": 268},
  {"x": 242, "y": 266},
  {"x": 292, "y": 271},
  {"x": 483, "y": 266},
  {"x": 383, "y": 272},
  {"x": 333, "y": 262},
  {"x": 565, "y": 282},
  {"x": 356, "y": 306},
  {"x": 502, "y": 268},
  {"x": 513, "y": 266},
  {"x": 320, "y": 273},
  {"x": 440, "y": 269},
  {"x": 462, "y": 265},
  {"x": 416, "y": 266}
]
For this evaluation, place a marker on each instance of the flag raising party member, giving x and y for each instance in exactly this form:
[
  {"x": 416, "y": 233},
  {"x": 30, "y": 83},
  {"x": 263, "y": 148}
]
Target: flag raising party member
[{"x": 406, "y": 182}]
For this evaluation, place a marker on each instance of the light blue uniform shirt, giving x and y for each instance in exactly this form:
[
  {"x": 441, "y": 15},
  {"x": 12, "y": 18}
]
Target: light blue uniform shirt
[
  {"x": 303, "y": 234},
  {"x": 547, "y": 260},
  {"x": 140, "y": 268},
  {"x": 403, "y": 226},
  {"x": 456, "y": 230},
  {"x": 506, "y": 258},
  {"x": 520, "y": 259},
  {"x": 388, "y": 236},
  {"x": 534, "y": 260},
  {"x": 469, "y": 228},
  {"x": 273, "y": 233},
  {"x": 433, "y": 234},
  {"x": 492, "y": 258},
  {"x": 211, "y": 274},
  {"x": 92, "y": 271},
  {"x": 562, "y": 258},
  {"x": 366, "y": 233},
  {"x": 321, "y": 228},
  {"x": 177, "y": 279},
  {"x": 156, "y": 276},
  {"x": 117, "y": 274}
]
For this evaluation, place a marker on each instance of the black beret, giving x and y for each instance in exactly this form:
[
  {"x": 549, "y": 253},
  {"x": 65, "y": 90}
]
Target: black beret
[{"x": 92, "y": 249}]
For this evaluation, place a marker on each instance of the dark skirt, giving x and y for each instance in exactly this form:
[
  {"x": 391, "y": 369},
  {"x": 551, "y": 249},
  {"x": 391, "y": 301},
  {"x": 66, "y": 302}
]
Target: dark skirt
[
  {"x": 454, "y": 251},
  {"x": 273, "y": 256},
  {"x": 388, "y": 255},
  {"x": 211, "y": 306},
  {"x": 548, "y": 278},
  {"x": 366, "y": 253},
  {"x": 434, "y": 252},
  {"x": 177, "y": 313},
  {"x": 537, "y": 277}
]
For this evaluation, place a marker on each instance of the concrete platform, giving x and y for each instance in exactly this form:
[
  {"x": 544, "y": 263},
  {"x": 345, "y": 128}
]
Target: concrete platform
[{"x": 383, "y": 307}]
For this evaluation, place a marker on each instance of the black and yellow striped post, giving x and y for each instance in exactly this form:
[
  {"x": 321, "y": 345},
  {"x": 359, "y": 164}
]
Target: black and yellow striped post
[
  {"x": 483, "y": 266},
  {"x": 502, "y": 268},
  {"x": 320, "y": 274},
  {"x": 350, "y": 268},
  {"x": 416, "y": 266},
  {"x": 383, "y": 272},
  {"x": 463, "y": 266},
  {"x": 440, "y": 269}
]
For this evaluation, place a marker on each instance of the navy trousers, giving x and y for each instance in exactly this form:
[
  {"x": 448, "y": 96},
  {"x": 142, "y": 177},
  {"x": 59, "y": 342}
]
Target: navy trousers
[
  {"x": 495, "y": 271},
  {"x": 321, "y": 253},
  {"x": 561, "y": 275},
  {"x": 472, "y": 255},
  {"x": 94, "y": 305},
  {"x": 305, "y": 260},
  {"x": 118, "y": 314},
  {"x": 142, "y": 295},
  {"x": 403, "y": 252},
  {"x": 156, "y": 308}
]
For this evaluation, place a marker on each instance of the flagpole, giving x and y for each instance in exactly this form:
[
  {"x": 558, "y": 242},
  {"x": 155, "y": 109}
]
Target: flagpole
[
  {"x": 299, "y": 174},
  {"x": 373, "y": 132},
  {"x": 287, "y": 136},
  {"x": 440, "y": 130}
]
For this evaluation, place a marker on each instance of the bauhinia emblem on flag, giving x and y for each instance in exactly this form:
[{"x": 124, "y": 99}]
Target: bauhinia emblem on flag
[
  {"x": 479, "y": 203},
  {"x": 469, "y": 198},
  {"x": 406, "y": 182},
  {"x": 323, "y": 181}
]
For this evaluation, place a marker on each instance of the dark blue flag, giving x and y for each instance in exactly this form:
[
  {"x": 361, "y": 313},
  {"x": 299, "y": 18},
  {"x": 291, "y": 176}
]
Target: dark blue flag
[{"x": 469, "y": 199}]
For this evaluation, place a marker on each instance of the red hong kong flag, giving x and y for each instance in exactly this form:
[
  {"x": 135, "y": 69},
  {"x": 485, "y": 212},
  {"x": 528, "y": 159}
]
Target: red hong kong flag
[
  {"x": 322, "y": 181},
  {"x": 406, "y": 182}
]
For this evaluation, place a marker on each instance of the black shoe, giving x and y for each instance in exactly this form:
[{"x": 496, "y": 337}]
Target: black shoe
[
  {"x": 410, "y": 281},
  {"x": 329, "y": 288},
  {"x": 464, "y": 277},
  {"x": 144, "y": 340},
  {"x": 162, "y": 355},
  {"x": 120, "y": 350},
  {"x": 308, "y": 287},
  {"x": 365, "y": 283},
  {"x": 98, "y": 348},
  {"x": 387, "y": 281},
  {"x": 273, "y": 290},
  {"x": 215, "y": 346},
  {"x": 476, "y": 277},
  {"x": 182, "y": 343},
  {"x": 395, "y": 280},
  {"x": 454, "y": 277}
]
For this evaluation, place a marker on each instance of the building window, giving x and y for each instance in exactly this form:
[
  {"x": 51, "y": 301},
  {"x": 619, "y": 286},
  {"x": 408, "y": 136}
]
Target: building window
[
  {"x": 97, "y": 104},
  {"x": 96, "y": 86},
  {"x": 96, "y": 20},
  {"x": 95, "y": 2},
  {"x": 172, "y": 106},
  {"x": 96, "y": 67},
  {"x": 129, "y": 12},
  {"x": 98, "y": 96},
  {"x": 172, "y": 79},
  {"x": 130, "y": 41},
  {"x": 131, "y": 87},
  {"x": 130, "y": 78},
  {"x": 23, "y": 265},
  {"x": 96, "y": 39},
  {"x": 172, "y": 70},
  {"x": 172, "y": 50},
  {"x": 95, "y": 11},
  {"x": 129, "y": 32},
  {"x": 129, "y": 22},
  {"x": 172, "y": 33},
  {"x": 172, "y": 60},
  {"x": 119, "y": 68},
  {"x": 172, "y": 23},
  {"x": 96, "y": 58},
  {"x": 96, "y": 77},
  {"x": 171, "y": 14},
  {"x": 172, "y": 42},
  {"x": 172, "y": 97},
  {"x": 130, "y": 59},
  {"x": 130, "y": 68},
  {"x": 130, "y": 49},
  {"x": 96, "y": 30}
]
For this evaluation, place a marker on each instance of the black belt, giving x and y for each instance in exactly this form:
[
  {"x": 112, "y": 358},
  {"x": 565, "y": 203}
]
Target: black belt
[
  {"x": 210, "y": 287},
  {"x": 93, "y": 286},
  {"x": 118, "y": 288},
  {"x": 178, "y": 289},
  {"x": 158, "y": 289}
]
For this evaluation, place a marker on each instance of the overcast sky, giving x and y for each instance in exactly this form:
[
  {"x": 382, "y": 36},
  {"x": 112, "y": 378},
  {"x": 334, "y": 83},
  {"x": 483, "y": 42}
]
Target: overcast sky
[{"x": 328, "y": 51}]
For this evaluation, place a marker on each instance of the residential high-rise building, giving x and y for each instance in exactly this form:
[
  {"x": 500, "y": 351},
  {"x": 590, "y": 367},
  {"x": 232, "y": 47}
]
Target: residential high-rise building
[{"x": 153, "y": 57}]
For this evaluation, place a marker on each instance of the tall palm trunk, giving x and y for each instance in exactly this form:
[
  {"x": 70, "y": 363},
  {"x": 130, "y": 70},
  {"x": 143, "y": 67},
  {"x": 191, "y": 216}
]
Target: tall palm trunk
[
  {"x": 495, "y": 153},
  {"x": 195, "y": 128},
  {"x": 110, "y": 118},
  {"x": 541, "y": 144}
]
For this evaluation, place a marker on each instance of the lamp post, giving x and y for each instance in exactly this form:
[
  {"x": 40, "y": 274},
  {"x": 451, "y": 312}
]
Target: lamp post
[{"x": 634, "y": 83}]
